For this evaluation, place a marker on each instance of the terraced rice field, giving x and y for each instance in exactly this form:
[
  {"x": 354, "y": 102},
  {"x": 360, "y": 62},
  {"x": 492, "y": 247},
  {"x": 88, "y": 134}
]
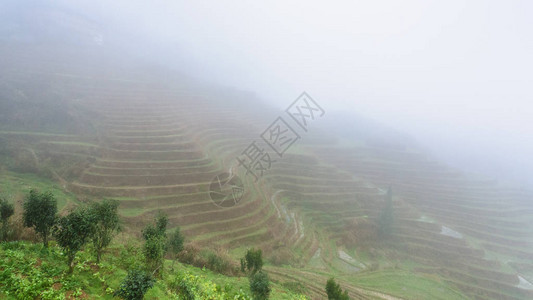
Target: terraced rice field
[
  {"x": 157, "y": 146},
  {"x": 470, "y": 231}
]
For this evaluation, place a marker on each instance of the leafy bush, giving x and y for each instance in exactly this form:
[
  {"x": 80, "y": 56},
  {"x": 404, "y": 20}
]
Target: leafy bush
[
  {"x": 260, "y": 285},
  {"x": 153, "y": 253},
  {"x": 219, "y": 261},
  {"x": 40, "y": 211},
  {"x": 155, "y": 244},
  {"x": 105, "y": 224},
  {"x": 334, "y": 291},
  {"x": 135, "y": 285},
  {"x": 253, "y": 261},
  {"x": 216, "y": 263},
  {"x": 6, "y": 211},
  {"x": 72, "y": 232},
  {"x": 175, "y": 244}
]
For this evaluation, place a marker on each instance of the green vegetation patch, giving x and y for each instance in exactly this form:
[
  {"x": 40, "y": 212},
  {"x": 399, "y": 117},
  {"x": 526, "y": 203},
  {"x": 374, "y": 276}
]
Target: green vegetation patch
[
  {"x": 28, "y": 271},
  {"x": 17, "y": 186}
]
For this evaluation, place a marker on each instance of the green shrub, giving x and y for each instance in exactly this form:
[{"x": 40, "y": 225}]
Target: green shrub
[
  {"x": 175, "y": 244},
  {"x": 253, "y": 261},
  {"x": 135, "y": 285},
  {"x": 105, "y": 224},
  {"x": 334, "y": 291},
  {"x": 155, "y": 245},
  {"x": 6, "y": 211},
  {"x": 154, "y": 251},
  {"x": 72, "y": 232},
  {"x": 216, "y": 263},
  {"x": 260, "y": 286},
  {"x": 219, "y": 261},
  {"x": 40, "y": 211}
]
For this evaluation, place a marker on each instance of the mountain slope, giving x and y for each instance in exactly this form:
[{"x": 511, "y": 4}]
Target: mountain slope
[{"x": 155, "y": 140}]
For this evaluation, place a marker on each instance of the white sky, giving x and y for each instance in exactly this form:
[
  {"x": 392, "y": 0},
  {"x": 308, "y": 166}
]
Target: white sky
[{"x": 456, "y": 74}]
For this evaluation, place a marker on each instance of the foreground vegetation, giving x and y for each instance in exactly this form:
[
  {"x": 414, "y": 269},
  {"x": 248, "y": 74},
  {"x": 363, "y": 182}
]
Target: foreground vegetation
[
  {"x": 37, "y": 271},
  {"x": 29, "y": 271}
]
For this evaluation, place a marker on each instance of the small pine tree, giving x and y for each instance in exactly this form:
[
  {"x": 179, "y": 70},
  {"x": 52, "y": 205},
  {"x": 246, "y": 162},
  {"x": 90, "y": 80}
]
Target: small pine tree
[
  {"x": 334, "y": 291},
  {"x": 175, "y": 244},
  {"x": 72, "y": 232},
  {"x": 260, "y": 285},
  {"x": 106, "y": 224},
  {"x": 40, "y": 211},
  {"x": 155, "y": 245},
  {"x": 253, "y": 261},
  {"x": 6, "y": 211},
  {"x": 135, "y": 285},
  {"x": 386, "y": 219}
]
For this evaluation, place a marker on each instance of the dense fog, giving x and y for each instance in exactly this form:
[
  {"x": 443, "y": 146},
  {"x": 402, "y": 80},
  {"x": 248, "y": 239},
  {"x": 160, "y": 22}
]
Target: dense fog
[{"x": 454, "y": 75}]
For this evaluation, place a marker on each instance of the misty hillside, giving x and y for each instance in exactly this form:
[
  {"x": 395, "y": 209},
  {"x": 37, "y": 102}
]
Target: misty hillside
[
  {"x": 157, "y": 147},
  {"x": 349, "y": 198}
]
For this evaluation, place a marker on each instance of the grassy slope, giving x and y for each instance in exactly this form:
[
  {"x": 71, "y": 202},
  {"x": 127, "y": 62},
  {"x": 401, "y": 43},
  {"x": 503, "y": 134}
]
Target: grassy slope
[
  {"x": 15, "y": 186},
  {"x": 27, "y": 271}
]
